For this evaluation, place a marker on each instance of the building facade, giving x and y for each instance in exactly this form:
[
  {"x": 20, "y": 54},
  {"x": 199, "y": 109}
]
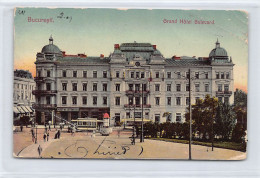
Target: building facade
[
  {"x": 136, "y": 80},
  {"x": 23, "y": 99}
]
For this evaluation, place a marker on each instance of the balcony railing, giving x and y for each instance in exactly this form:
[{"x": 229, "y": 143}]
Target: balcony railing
[
  {"x": 131, "y": 92},
  {"x": 39, "y": 79},
  {"x": 44, "y": 92},
  {"x": 137, "y": 106},
  {"x": 44, "y": 106},
  {"x": 224, "y": 92}
]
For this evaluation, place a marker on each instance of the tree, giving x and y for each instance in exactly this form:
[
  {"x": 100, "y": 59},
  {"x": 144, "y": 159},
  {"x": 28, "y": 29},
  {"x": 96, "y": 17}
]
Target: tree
[
  {"x": 225, "y": 120},
  {"x": 240, "y": 107},
  {"x": 238, "y": 133}
]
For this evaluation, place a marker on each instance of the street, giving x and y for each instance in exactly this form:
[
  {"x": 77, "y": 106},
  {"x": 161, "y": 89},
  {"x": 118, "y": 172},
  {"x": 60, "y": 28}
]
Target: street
[{"x": 114, "y": 146}]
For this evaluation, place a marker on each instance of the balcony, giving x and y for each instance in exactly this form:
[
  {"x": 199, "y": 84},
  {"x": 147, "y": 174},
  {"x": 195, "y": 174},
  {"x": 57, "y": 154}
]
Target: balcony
[
  {"x": 137, "y": 106},
  {"x": 137, "y": 92},
  {"x": 39, "y": 79},
  {"x": 44, "y": 92},
  {"x": 44, "y": 106},
  {"x": 223, "y": 93}
]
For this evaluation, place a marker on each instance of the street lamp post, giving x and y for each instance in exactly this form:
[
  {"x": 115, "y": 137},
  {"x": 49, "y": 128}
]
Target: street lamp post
[{"x": 36, "y": 133}]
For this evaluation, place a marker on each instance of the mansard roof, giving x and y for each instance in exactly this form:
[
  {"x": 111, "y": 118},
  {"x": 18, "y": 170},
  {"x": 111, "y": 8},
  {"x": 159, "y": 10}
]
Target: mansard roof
[
  {"x": 91, "y": 60},
  {"x": 188, "y": 61}
]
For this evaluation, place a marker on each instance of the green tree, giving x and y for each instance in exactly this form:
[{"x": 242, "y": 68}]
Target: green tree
[
  {"x": 238, "y": 133},
  {"x": 240, "y": 107},
  {"x": 225, "y": 120}
]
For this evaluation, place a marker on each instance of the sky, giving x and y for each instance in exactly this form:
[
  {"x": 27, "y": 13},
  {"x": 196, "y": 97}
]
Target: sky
[{"x": 95, "y": 31}]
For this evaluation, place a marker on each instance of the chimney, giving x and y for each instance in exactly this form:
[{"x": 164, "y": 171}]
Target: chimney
[
  {"x": 116, "y": 46},
  {"x": 154, "y": 47},
  {"x": 101, "y": 55},
  {"x": 63, "y": 53}
]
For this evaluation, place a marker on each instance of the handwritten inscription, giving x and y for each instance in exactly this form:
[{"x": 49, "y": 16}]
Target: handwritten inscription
[{"x": 105, "y": 148}]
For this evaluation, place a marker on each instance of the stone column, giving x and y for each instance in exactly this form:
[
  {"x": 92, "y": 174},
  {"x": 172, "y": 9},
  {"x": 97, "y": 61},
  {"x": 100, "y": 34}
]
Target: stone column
[{"x": 43, "y": 118}]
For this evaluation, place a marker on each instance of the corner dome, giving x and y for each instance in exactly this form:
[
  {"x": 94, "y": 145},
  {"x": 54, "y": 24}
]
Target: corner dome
[
  {"x": 51, "y": 48},
  {"x": 218, "y": 51}
]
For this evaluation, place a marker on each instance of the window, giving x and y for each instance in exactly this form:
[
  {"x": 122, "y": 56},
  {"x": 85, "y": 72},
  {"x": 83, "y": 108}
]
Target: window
[
  {"x": 64, "y": 100},
  {"x": 197, "y": 99},
  {"x": 137, "y": 75},
  {"x": 74, "y": 73},
  {"x": 197, "y": 87},
  {"x": 187, "y": 75},
  {"x": 142, "y": 75},
  {"x": 169, "y": 100},
  {"x": 144, "y": 87},
  {"x": 220, "y": 99},
  {"x": 104, "y": 100},
  {"x": 178, "y": 117},
  {"x": 137, "y": 87},
  {"x": 48, "y": 86},
  {"x": 217, "y": 75},
  {"x": 74, "y": 100},
  {"x": 94, "y": 100},
  {"x": 157, "y": 87},
  {"x": 132, "y": 74},
  {"x": 84, "y": 100},
  {"x": 131, "y": 87},
  {"x": 84, "y": 87},
  {"x": 64, "y": 73},
  {"x": 117, "y": 87},
  {"x": 104, "y": 74},
  {"x": 157, "y": 100},
  {"x": 197, "y": 76},
  {"x": 22, "y": 86},
  {"x": 157, "y": 118},
  {"x": 178, "y": 87},
  {"x": 85, "y": 74},
  {"x": 94, "y": 74},
  {"x": 48, "y": 73},
  {"x": 178, "y": 75},
  {"x": 144, "y": 100},
  {"x": 64, "y": 86},
  {"x": 104, "y": 87},
  {"x": 130, "y": 101},
  {"x": 117, "y": 101},
  {"x": 222, "y": 75},
  {"x": 169, "y": 87},
  {"x": 48, "y": 100},
  {"x": 226, "y": 100},
  {"x": 206, "y": 75},
  {"x": 226, "y": 87},
  {"x": 187, "y": 100},
  {"x": 187, "y": 87},
  {"x": 74, "y": 87},
  {"x": 227, "y": 75},
  {"x": 94, "y": 86},
  {"x": 117, "y": 74},
  {"x": 220, "y": 87},
  {"x": 169, "y": 75},
  {"x": 157, "y": 75},
  {"x": 178, "y": 100},
  {"x": 137, "y": 101},
  {"x": 206, "y": 87}
]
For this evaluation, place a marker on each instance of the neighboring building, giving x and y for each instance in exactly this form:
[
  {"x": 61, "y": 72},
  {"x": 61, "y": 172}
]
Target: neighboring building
[
  {"x": 23, "y": 98},
  {"x": 72, "y": 86}
]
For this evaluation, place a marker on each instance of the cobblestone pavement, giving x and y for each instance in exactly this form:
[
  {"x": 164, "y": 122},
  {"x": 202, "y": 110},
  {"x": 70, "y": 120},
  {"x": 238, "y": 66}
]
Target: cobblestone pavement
[{"x": 84, "y": 145}]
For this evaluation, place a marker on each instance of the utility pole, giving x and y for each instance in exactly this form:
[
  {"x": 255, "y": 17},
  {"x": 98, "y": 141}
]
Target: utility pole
[
  {"x": 142, "y": 126},
  {"x": 190, "y": 114}
]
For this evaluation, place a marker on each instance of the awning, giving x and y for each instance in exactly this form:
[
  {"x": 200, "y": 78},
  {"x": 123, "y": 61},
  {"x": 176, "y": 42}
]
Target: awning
[
  {"x": 16, "y": 110},
  {"x": 136, "y": 120},
  {"x": 28, "y": 108},
  {"x": 25, "y": 109},
  {"x": 19, "y": 108},
  {"x": 106, "y": 115}
]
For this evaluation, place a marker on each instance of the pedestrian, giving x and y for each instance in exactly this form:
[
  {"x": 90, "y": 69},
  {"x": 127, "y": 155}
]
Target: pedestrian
[
  {"x": 48, "y": 136},
  {"x": 32, "y": 131},
  {"x": 21, "y": 127},
  {"x": 60, "y": 126},
  {"x": 59, "y": 133},
  {"x": 39, "y": 150},
  {"x": 93, "y": 134},
  {"x": 44, "y": 136},
  {"x": 118, "y": 133}
]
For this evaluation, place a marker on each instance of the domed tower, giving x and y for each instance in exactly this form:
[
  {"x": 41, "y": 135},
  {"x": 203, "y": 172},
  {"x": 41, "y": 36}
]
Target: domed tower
[
  {"x": 46, "y": 87},
  {"x": 219, "y": 54}
]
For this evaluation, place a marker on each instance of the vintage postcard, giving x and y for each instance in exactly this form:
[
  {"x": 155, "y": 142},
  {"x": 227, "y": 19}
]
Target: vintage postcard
[{"x": 130, "y": 84}]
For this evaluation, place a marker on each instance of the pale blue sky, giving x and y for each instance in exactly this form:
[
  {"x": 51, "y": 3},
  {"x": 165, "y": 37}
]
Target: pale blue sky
[{"x": 95, "y": 31}]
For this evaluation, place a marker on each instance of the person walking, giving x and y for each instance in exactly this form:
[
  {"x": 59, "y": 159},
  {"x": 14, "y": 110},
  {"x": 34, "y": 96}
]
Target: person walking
[
  {"x": 48, "y": 136},
  {"x": 21, "y": 127},
  {"x": 33, "y": 136},
  {"x": 59, "y": 133},
  {"x": 44, "y": 136},
  {"x": 49, "y": 125},
  {"x": 39, "y": 150},
  {"x": 73, "y": 130}
]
